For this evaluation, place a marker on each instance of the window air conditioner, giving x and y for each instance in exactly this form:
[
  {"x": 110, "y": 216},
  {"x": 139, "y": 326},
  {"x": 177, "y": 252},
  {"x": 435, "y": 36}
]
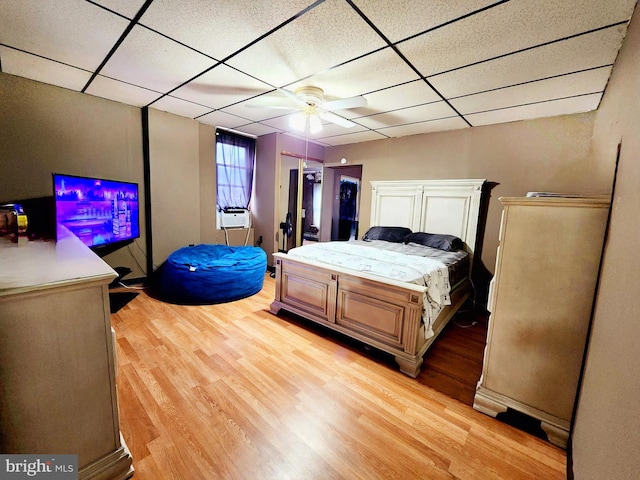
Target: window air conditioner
[{"x": 233, "y": 218}]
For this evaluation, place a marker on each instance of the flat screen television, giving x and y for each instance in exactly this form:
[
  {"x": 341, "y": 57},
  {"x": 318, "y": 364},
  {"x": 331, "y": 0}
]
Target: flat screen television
[{"x": 103, "y": 214}]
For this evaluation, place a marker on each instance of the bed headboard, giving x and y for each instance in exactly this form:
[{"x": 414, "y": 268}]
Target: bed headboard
[{"x": 433, "y": 206}]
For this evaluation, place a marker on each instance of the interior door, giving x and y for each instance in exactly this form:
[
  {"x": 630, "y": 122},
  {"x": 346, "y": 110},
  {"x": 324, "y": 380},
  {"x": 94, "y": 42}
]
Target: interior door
[
  {"x": 348, "y": 214},
  {"x": 291, "y": 215},
  {"x": 344, "y": 202}
]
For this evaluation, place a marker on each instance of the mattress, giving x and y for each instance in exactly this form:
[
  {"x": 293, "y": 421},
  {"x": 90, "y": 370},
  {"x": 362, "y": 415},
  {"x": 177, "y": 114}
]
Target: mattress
[
  {"x": 435, "y": 269},
  {"x": 457, "y": 262}
]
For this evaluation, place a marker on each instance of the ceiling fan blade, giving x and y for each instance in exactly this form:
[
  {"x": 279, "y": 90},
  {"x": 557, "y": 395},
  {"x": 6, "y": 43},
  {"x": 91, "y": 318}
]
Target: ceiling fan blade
[
  {"x": 344, "y": 103},
  {"x": 333, "y": 118},
  {"x": 272, "y": 102},
  {"x": 292, "y": 97},
  {"x": 290, "y": 101},
  {"x": 275, "y": 105}
]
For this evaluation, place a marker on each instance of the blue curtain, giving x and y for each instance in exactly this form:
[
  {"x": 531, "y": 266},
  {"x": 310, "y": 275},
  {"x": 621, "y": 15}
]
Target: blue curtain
[{"x": 235, "y": 158}]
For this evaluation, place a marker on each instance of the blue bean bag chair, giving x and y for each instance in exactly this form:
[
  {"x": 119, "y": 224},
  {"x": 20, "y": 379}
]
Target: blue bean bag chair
[{"x": 208, "y": 274}]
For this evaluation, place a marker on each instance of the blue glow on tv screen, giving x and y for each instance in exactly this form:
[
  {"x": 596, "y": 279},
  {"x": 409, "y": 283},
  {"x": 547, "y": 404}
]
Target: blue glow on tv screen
[{"x": 97, "y": 211}]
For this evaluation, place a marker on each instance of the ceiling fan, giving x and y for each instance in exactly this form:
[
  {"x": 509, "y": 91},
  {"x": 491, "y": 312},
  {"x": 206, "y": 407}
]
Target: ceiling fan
[{"x": 309, "y": 102}]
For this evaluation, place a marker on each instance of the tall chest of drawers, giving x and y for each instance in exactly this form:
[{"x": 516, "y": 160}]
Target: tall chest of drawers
[{"x": 540, "y": 301}]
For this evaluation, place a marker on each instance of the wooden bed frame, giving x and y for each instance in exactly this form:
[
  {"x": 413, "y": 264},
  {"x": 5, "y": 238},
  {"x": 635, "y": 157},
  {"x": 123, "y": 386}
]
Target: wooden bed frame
[{"x": 382, "y": 313}]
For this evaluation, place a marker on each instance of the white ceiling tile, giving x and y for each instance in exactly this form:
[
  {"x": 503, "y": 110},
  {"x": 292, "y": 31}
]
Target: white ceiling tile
[
  {"x": 328, "y": 35},
  {"x": 213, "y": 27},
  {"x": 180, "y": 107},
  {"x": 566, "y": 106},
  {"x": 399, "y": 19},
  {"x": 121, "y": 92},
  {"x": 222, "y": 119},
  {"x": 401, "y": 96},
  {"x": 25, "y": 65},
  {"x": 150, "y": 60},
  {"x": 356, "y": 78},
  {"x": 255, "y": 113},
  {"x": 64, "y": 30},
  {"x": 443, "y": 124},
  {"x": 593, "y": 50},
  {"x": 129, "y": 9},
  {"x": 421, "y": 113},
  {"x": 331, "y": 129},
  {"x": 356, "y": 137},
  {"x": 591, "y": 81},
  {"x": 507, "y": 28},
  {"x": 312, "y": 142},
  {"x": 256, "y": 129},
  {"x": 220, "y": 87}
]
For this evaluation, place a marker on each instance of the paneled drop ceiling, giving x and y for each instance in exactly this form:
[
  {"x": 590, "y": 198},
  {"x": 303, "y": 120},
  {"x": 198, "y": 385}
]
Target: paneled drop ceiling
[{"x": 422, "y": 65}]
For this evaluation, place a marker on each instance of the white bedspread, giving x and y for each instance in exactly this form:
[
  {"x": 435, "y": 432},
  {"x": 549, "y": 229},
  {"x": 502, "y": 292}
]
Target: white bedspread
[{"x": 379, "y": 259}]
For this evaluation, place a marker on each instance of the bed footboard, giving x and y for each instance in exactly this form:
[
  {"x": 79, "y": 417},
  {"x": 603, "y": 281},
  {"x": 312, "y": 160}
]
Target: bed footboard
[
  {"x": 305, "y": 290},
  {"x": 383, "y": 315}
]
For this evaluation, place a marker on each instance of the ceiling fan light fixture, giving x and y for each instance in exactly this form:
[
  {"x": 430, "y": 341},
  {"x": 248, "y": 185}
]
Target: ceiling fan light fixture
[
  {"x": 298, "y": 121},
  {"x": 311, "y": 108},
  {"x": 312, "y": 96},
  {"x": 315, "y": 125},
  {"x": 305, "y": 122}
]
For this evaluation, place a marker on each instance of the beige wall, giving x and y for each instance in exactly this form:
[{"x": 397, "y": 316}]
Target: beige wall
[
  {"x": 264, "y": 206},
  {"x": 549, "y": 154},
  {"x": 45, "y": 129},
  {"x": 208, "y": 232},
  {"x": 606, "y": 437},
  {"x": 174, "y": 151}
]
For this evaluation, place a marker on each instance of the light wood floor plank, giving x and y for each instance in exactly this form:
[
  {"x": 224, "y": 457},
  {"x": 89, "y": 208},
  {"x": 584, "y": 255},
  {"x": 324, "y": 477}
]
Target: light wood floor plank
[{"x": 231, "y": 391}]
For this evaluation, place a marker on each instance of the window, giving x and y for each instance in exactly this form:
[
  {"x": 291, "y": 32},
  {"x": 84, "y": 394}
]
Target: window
[{"x": 235, "y": 157}]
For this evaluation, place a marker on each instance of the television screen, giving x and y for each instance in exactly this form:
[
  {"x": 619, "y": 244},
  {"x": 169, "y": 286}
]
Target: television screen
[{"x": 97, "y": 211}]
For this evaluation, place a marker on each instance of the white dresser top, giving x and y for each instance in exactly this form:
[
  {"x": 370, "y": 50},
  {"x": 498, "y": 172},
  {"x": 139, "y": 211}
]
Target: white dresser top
[{"x": 48, "y": 264}]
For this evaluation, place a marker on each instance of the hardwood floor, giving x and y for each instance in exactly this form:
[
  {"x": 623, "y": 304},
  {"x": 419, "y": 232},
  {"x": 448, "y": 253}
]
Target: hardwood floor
[{"x": 231, "y": 391}]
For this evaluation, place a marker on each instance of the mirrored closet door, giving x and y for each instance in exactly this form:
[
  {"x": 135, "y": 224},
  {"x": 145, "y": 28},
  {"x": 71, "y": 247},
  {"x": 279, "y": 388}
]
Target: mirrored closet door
[{"x": 300, "y": 202}]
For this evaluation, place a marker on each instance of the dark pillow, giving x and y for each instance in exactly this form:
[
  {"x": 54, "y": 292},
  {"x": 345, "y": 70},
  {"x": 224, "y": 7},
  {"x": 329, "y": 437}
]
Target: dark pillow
[
  {"x": 448, "y": 243},
  {"x": 389, "y": 234}
]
